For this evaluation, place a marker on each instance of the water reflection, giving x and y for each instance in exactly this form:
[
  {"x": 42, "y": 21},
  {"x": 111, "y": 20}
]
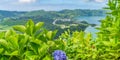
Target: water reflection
[
  {"x": 92, "y": 30},
  {"x": 92, "y": 20}
]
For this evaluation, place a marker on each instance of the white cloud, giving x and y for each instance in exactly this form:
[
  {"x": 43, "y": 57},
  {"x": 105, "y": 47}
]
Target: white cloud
[
  {"x": 27, "y": 1},
  {"x": 99, "y": 0}
]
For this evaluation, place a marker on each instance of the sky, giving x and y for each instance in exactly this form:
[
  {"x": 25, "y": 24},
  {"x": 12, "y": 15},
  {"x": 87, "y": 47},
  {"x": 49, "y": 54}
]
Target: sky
[{"x": 48, "y": 5}]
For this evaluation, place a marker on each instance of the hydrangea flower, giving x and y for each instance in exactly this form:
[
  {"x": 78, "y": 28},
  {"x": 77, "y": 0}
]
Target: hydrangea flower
[{"x": 59, "y": 55}]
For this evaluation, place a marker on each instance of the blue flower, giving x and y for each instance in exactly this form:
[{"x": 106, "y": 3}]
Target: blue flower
[{"x": 59, "y": 55}]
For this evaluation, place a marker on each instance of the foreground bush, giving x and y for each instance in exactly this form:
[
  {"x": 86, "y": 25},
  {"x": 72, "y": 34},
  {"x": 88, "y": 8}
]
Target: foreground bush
[
  {"x": 32, "y": 42},
  {"x": 29, "y": 43}
]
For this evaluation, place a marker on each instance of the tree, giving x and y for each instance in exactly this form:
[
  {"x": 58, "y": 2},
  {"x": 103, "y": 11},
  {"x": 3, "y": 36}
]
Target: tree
[{"x": 109, "y": 37}]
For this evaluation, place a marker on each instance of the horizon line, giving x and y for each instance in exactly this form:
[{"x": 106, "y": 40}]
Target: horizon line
[{"x": 46, "y": 10}]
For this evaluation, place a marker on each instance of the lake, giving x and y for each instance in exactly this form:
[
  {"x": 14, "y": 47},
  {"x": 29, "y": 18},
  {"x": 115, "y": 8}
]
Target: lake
[{"x": 91, "y": 20}]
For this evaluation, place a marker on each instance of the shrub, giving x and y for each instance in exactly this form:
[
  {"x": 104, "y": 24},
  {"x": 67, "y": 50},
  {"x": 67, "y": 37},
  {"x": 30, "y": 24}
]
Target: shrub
[{"x": 31, "y": 42}]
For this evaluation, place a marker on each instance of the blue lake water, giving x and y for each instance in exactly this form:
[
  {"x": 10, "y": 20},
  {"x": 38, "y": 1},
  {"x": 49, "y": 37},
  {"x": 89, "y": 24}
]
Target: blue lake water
[{"x": 91, "y": 20}]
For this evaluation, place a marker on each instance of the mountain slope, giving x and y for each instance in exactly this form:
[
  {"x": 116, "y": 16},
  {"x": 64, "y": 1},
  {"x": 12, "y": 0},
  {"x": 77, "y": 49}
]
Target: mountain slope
[{"x": 5, "y": 14}]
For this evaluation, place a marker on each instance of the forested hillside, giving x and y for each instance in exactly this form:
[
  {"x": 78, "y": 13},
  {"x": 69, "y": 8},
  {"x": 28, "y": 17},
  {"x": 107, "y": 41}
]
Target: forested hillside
[
  {"x": 51, "y": 14},
  {"x": 9, "y": 14},
  {"x": 50, "y": 18}
]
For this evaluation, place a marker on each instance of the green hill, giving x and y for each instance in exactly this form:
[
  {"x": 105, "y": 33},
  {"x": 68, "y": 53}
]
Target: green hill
[{"x": 11, "y": 18}]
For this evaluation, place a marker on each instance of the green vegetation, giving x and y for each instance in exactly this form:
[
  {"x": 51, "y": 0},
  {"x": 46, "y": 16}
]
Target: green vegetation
[
  {"x": 11, "y": 18},
  {"x": 48, "y": 17},
  {"x": 32, "y": 42},
  {"x": 9, "y": 14},
  {"x": 15, "y": 18}
]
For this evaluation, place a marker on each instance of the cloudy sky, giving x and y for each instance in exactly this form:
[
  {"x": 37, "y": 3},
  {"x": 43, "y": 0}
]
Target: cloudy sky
[{"x": 28, "y": 5}]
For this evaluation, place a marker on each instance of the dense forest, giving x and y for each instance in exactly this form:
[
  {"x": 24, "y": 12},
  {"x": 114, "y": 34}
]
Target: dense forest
[
  {"x": 53, "y": 14},
  {"x": 10, "y": 18},
  {"x": 8, "y": 14}
]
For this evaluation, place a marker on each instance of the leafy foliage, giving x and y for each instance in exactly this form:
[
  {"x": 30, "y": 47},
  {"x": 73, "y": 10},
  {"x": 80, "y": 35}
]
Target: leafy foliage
[
  {"x": 32, "y": 42},
  {"x": 108, "y": 37},
  {"x": 28, "y": 42}
]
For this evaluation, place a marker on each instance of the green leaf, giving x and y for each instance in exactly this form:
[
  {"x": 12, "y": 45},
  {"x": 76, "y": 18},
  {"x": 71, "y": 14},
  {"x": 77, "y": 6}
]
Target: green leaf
[
  {"x": 88, "y": 38},
  {"x": 54, "y": 33},
  {"x": 38, "y": 26},
  {"x": 20, "y": 28},
  {"x": 47, "y": 58},
  {"x": 106, "y": 43},
  {"x": 13, "y": 40},
  {"x": 43, "y": 49},
  {"x": 49, "y": 34},
  {"x": 30, "y": 27},
  {"x": 1, "y": 50},
  {"x": 4, "y": 43},
  {"x": 9, "y": 33},
  {"x": 15, "y": 53},
  {"x": 30, "y": 55},
  {"x": 22, "y": 40},
  {"x": 81, "y": 36},
  {"x": 35, "y": 44}
]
